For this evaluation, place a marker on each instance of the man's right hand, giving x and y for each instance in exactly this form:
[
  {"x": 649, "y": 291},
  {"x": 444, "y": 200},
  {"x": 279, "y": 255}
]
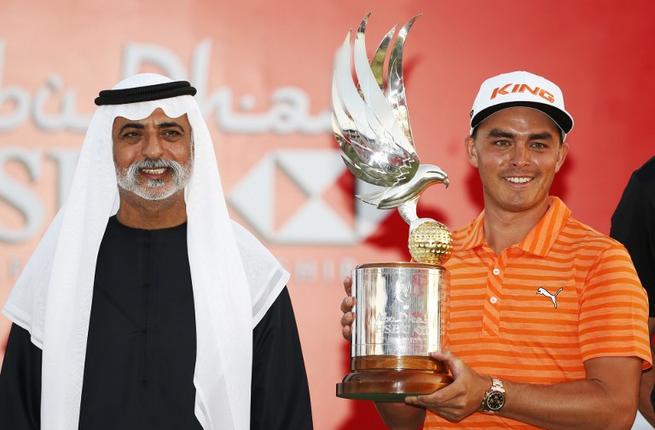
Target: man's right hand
[{"x": 347, "y": 305}]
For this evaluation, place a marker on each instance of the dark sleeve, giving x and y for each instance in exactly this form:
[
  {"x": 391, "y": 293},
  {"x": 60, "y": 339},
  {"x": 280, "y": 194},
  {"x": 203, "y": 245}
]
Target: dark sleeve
[
  {"x": 20, "y": 383},
  {"x": 280, "y": 394},
  {"x": 633, "y": 224}
]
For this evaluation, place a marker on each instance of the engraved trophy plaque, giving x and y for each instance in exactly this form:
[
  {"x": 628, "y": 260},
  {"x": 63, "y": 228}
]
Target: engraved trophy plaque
[{"x": 399, "y": 306}]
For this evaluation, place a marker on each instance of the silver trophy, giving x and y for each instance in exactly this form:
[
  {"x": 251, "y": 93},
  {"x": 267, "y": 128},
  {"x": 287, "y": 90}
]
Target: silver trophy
[{"x": 399, "y": 306}]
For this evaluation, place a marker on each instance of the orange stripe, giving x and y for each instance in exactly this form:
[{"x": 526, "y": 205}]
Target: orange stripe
[
  {"x": 612, "y": 328},
  {"x": 618, "y": 304},
  {"x": 510, "y": 308},
  {"x": 600, "y": 295},
  {"x": 628, "y": 316},
  {"x": 542, "y": 333},
  {"x": 453, "y": 320},
  {"x": 467, "y": 276},
  {"x": 622, "y": 351},
  {"x": 543, "y": 343},
  {"x": 464, "y": 330},
  {"x": 534, "y": 298},
  {"x": 626, "y": 338},
  {"x": 537, "y": 369},
  {"x": 548, "y": 321},
  {"x": 518, "y": 354},
  {"x": 463, "y": 308}
]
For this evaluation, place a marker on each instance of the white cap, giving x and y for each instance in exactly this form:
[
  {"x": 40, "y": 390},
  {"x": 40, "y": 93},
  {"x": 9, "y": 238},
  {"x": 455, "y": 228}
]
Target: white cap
[{"x": 520, "y": 89}]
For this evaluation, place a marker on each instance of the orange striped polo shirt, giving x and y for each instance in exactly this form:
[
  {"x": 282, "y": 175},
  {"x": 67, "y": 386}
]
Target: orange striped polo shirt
[{"x": 535, "y": 312}]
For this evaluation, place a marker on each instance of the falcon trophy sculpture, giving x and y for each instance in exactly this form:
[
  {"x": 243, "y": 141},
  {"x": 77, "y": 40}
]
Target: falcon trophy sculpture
[
  {"x": 370, "y": 121},
  {"x": 399, "y": 318}
]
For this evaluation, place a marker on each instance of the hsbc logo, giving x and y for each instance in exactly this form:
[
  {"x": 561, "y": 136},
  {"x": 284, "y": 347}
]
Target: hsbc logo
[
  {"x": 314, "y": 221},
  {"x": 522, "y": 88}
]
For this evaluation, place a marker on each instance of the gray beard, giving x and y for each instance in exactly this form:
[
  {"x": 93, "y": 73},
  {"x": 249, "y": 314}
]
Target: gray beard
[{"x": 154, "y": 189}]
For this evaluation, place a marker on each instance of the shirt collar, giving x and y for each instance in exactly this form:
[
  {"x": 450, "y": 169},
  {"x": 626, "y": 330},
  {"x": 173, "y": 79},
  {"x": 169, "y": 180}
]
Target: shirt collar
[
  {"x": 538, "y": 241},
  {"x": 474, "y": 233}
]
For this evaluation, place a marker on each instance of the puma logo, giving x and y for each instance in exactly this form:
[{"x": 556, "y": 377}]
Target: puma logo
[{"x": 553, "y": 297}]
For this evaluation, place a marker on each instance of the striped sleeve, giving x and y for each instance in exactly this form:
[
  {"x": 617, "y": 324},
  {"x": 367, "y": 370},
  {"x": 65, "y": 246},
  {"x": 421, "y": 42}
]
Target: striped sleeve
[{"x": 613, "y": 319}]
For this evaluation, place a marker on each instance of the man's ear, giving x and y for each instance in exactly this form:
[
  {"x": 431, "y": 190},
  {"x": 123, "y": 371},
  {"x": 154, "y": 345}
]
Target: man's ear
[
  {"x": 471, "y": 151},
  {"x": 561, "y": 155}
]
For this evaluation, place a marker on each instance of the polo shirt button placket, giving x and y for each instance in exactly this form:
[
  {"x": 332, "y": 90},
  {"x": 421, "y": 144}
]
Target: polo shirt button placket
[
  {"x": 491, "y": 318},
  {"x": 496, "y": 272}
]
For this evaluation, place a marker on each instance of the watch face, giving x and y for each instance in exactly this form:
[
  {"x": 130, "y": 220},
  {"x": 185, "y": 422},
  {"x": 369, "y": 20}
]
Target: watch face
[{"x": 495, "y": 400}]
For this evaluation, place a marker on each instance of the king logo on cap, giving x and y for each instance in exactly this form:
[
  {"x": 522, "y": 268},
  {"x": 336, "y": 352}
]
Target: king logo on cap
[{"x": 520, "y": 89}]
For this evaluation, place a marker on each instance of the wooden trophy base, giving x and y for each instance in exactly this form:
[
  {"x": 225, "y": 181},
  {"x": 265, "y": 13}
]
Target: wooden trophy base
[{"x": 386, "y": 378}]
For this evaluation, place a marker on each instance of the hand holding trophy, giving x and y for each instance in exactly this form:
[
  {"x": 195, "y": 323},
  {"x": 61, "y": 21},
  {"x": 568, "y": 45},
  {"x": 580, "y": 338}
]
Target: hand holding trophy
[{"x": 399, "y": 306}]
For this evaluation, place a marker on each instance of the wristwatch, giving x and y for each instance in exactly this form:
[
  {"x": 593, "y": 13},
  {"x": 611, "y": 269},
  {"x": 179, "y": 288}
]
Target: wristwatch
[{"x": 494, "y": 398}]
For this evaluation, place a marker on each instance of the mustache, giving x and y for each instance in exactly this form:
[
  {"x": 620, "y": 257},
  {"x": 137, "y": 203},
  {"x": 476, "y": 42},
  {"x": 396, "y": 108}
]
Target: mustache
[{"x": 177, "y": 169}]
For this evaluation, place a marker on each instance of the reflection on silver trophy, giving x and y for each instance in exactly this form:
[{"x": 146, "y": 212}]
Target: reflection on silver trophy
[{"x": 399, "y": 310}]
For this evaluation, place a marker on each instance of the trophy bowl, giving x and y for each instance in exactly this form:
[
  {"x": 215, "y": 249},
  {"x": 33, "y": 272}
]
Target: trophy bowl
[{"x": 399, "y": 321}]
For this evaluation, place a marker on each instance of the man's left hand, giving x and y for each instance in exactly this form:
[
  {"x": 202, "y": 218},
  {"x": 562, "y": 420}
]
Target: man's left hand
[{"x": 459, "y": 399}]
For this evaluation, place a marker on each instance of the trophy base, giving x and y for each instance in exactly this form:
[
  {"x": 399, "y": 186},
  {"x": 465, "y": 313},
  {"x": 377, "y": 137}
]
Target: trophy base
[{"x": 370, "y": 381}]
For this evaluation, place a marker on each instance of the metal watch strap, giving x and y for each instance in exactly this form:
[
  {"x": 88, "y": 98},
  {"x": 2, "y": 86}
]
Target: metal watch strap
[{"x": 494, "y": 398}]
